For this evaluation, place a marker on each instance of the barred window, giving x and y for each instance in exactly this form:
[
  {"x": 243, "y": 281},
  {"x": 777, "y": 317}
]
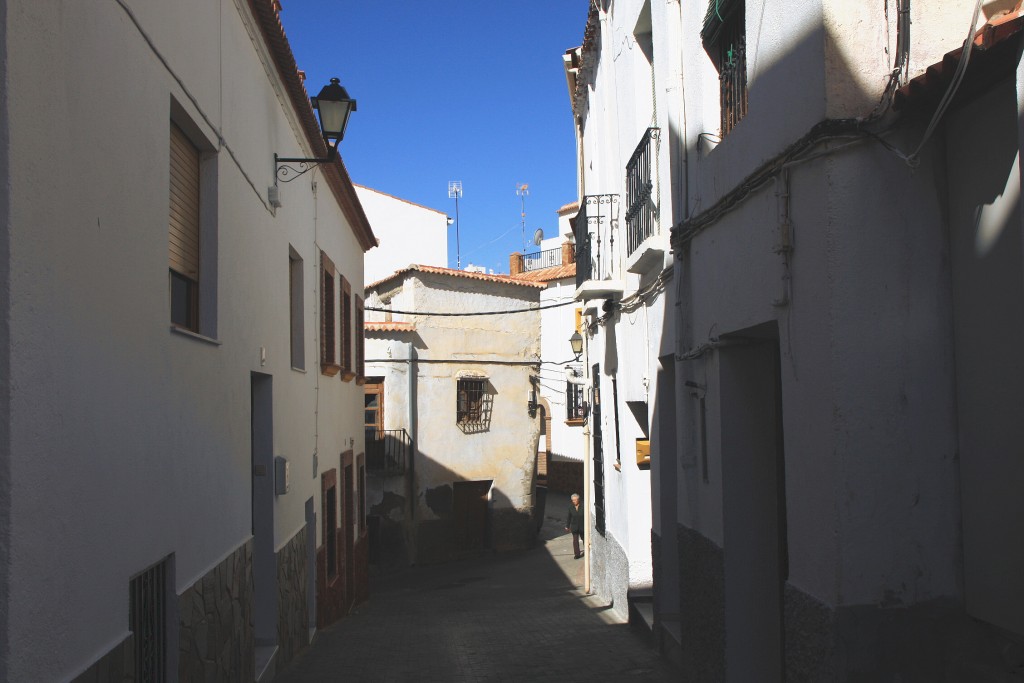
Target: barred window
[
  {"x": 724, "y": 37},
  {"x": 473, "y": 404},
  {"x": 574, "y": 405}
]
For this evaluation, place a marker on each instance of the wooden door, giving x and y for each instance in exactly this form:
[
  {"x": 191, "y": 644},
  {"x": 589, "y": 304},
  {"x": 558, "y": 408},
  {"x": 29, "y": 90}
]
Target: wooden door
[{"x": 469, "y": 509}]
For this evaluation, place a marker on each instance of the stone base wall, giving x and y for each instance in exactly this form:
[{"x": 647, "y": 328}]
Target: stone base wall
[
  {"x": 292, "y": 608},
  {"x": 565, "y": 477},
  {"x": 609, "y": 572},
  {"x": 216, "y": 640},
  {"x": 701, "y": 606},
  {"x": 117, "y": 666}
]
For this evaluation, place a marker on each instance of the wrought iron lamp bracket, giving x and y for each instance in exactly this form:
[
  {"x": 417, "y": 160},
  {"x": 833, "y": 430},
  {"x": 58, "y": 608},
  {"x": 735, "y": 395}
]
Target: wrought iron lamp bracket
[{"x": 285, "y": 172}]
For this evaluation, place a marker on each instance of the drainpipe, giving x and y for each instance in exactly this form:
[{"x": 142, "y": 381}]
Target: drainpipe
[{"x": 587, "y": 493}]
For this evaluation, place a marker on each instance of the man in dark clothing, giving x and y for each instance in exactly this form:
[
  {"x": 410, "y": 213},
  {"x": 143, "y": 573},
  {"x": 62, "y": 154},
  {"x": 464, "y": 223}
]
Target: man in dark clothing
[{"x": 574, "y": 523}]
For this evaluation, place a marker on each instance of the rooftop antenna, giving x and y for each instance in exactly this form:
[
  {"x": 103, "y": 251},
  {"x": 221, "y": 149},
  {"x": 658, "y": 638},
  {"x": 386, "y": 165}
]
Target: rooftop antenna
[
  {"x": 538, "y": 236},
  {"x": 522, "y": 190},
  {"x": 454, "y": 192}
]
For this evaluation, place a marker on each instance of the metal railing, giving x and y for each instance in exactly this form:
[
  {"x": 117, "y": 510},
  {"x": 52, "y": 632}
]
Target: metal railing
[
  {"x": 639, "y": 189},
  {"x": 594, "y": 229},
  {"x": 387, "y": 451},
  {"x": 549, "y": 258},
  {"x": 733, "y": 73}
]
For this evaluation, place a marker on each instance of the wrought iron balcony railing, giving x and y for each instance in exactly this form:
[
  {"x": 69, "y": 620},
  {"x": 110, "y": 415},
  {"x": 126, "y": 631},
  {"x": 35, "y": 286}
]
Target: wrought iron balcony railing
[
  {"x": 640, "y": 207},
  {"x": 549, "y": 258},
  {"x": 595, "y": 237},
  {"x": 387, "y": 451}
]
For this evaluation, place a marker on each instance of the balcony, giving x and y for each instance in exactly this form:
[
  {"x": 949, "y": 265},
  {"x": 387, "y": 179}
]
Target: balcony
[
  {"x": 541, "y": 260},
  {"x": 641, "y": 209},
  {"x": 596, "y": 273},
  {"x": 387, "y": 451}
]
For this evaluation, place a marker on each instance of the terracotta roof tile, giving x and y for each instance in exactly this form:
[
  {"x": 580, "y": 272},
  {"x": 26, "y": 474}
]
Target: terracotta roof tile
[
  {"x": 992, "y": 59},
  {"x": 548, "y": 274},
  {"x": 566, "y": 208},
  {"x": 389, "y": 327},
  {"x": 504, "y": 279}
]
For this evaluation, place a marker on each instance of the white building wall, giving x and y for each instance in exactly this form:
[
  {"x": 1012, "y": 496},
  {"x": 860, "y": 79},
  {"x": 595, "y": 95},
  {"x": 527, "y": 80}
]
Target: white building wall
[
  {"x": 130, "y": 441},
  {"x": 407, "y": 233}
]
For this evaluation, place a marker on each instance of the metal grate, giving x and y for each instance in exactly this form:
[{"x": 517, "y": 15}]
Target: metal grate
[
  {"x": 473, "y": 408},
  {"x": 147, "y": 617},
  {"x": 639, "y": 189},
  {"x": 732, "y": 70},
  {"x": 575, "y": 407},
  {"x": 387, "y": 450}
]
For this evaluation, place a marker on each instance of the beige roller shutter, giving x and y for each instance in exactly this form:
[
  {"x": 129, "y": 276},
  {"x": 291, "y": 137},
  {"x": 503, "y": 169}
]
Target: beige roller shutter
[{"x": 184, "y": 218}]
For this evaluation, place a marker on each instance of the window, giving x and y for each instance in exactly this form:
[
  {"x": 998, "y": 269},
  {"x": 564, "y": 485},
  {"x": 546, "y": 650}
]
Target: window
[
  {"x": 574, "y": 403},
  {"x": 328, "y": 337},
  {"x": 191, "y": 226},
  {"x": 360, "y": 342},
  {"x": 331, "y": 530},
  {"x": 347, "y": 369},
  {"x": 295, "y": 309},
  {"x": 147, "y": 619},
  {"x": 724, "y": 36},
  {"x": 183, "y": 231},
  {"x": 362, "y": 497},
  {"x": 473, "y": 404}
]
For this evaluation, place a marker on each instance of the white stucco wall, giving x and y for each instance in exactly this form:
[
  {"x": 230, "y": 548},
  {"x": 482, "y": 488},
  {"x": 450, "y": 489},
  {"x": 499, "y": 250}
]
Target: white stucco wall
[
  {"x": 130, "y": 441},
  {"x": 408, "y": 233}
]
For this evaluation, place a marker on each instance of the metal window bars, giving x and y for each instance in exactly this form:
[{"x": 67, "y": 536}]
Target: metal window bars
[
  {"x": 594, "y": 229},
  {"x": 473, "y": 405},
  {"x": 732, "y": 60},
  {"x": 147, "y": 618},
  {"x": 640, "y": 214}
]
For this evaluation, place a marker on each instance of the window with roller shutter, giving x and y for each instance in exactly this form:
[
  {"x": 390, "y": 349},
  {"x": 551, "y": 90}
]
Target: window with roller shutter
[{"x": 183, "y": 231}]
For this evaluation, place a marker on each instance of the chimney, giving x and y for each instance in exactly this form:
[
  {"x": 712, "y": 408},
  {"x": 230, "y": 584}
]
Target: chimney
[
  {"x": 568, "y": 253},
  {"x": 515, "y": 263}
]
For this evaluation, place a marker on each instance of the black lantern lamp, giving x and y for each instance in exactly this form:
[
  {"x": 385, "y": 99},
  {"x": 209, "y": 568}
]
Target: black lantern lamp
[
  {"x": 335, "y": 107},
  {"x": 576, "y": 342}
]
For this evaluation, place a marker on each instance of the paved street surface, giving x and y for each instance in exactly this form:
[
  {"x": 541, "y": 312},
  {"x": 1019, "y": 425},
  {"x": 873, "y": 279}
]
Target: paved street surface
[{"x": 513, "y": 617}]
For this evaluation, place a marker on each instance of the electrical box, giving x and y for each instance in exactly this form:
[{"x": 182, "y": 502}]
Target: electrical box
[
  {"x": 280, "y": 475},
  {"x": 643, "y": 452}
]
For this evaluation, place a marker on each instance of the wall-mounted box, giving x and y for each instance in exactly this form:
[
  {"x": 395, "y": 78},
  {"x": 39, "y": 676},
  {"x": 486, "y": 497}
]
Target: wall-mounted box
[
  {"x": 643, "y": 452},
  {"x": 280, "y": 475}
]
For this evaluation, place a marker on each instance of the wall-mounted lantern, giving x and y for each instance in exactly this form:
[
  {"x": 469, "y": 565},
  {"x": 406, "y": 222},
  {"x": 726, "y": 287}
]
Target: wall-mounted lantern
[
  {"x": 335, "y": 108},
  {"x": 576, "y": 342}
]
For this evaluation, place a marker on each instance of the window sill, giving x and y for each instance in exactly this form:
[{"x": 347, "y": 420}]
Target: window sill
[
  {"x": 329, "y": 369},
  {"x": 618, "y": 467},
  {"x": 302, "y": 370},
  {"x": 195, "y": 335},
  {"x": 348, "y": 376},
  {"x": 575, "y": 423}
]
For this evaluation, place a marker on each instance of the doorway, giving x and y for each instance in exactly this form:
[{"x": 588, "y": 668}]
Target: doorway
[
  {"x": 469, "y": 510},
  {"x": 264, "y": 562},
  {"x": 754, "y": 506}
]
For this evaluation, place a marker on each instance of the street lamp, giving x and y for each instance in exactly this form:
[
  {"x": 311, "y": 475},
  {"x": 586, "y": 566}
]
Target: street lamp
[
  {"x": 335, "y": 107},
  {"x": 576, "y": 342}
]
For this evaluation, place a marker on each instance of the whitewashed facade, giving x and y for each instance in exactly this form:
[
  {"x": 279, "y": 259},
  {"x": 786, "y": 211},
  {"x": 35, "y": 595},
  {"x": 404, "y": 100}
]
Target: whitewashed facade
[
  {"x": 831, "y": 494},
  {"x": 406, "y": 233},
  {"x": 137, "y": 472},
  {"x": 624, "y": 275},
  {"x": 457, "y": 388}
]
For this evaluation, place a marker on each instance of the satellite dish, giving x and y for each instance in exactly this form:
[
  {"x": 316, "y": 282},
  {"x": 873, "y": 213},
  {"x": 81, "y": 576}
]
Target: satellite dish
[{"x": 538, "y": 236}]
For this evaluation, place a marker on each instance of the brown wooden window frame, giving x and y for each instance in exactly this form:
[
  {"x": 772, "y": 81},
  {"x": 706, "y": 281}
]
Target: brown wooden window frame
[
  {"x": 348, "y": 371},
  {"x": 328, "y": 320},
  {"x": 296, "y": 308},
  {"x": 183, "y": 232}
]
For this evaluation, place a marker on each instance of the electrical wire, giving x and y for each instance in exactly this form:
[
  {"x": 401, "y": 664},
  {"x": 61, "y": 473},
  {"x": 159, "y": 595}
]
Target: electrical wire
[
  {"x": 954, "y": 84},
  {"x": 438, "y": 314}
]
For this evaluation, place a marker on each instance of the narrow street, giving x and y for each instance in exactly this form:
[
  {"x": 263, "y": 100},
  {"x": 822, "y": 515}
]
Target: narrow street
[{"x": 515, "y": 617}]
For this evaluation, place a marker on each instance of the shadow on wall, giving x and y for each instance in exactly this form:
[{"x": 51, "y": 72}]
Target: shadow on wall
[{"x": 470, "y": 517}]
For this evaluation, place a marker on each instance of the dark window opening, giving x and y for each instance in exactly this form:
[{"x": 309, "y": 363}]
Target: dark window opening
[{"x": 724, "y": 36}]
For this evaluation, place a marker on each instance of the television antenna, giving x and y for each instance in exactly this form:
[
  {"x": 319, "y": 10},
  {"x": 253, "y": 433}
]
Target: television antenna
[
  {"x": 454, "y": 192},
  {"x": 522, "y": 189},
  {"x": 538, "y": 236}
]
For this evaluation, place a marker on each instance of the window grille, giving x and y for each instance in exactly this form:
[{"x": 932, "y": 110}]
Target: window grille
[
  {"x": 147, "y": 618},
  {"x": 724, "y": 36},
  {"x": 473, "y": 404},
  {"x": 574, "y": 402},
  {"x": 639, "y": 189}
]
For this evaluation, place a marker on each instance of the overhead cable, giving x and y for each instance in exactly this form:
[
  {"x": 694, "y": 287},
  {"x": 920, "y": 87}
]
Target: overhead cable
[{"x": 438, "y": 314}]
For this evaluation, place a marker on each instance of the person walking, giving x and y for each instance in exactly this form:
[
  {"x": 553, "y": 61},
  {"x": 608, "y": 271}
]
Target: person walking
[{"x": 574, "y": 523}]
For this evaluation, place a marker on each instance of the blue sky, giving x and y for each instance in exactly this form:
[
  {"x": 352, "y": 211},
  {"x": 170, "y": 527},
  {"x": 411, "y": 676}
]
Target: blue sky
[{"x": 469, "y": 90}]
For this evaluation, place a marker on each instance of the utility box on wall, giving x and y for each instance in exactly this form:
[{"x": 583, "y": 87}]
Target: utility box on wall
[
  {"x": 643, "y": 452},
  {"x": 280, "y": 475}
]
